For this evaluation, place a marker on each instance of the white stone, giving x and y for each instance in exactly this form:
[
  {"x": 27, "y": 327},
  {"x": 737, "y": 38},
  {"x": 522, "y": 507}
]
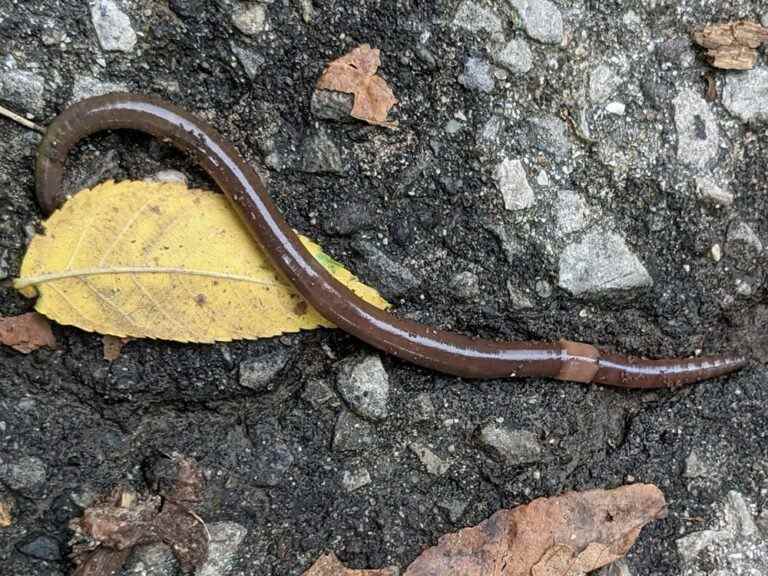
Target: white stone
[{"x": 512, "y": 181}]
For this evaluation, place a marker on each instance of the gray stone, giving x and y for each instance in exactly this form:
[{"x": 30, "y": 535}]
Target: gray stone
[
  {"x": 572, "y": 212},
  {"x": 435, "y": 465},
  {"x": 318, "y": 393},
  {"x": 87, "y": 86},
  {"x": 616, "y": 108},
  {"x": 465, "y": 285},
  {"x": 489, "y": 135},
  {"x": 541, "y": 19},
  {"x": 475, "y": 17},
  {"x": 352, "y": 433},
  {"x": 5, "y": 266},
  {"x": 550, "y": 135},
  {"x": 23, "y": 90},
  {"x": 518, "y": 297},
  {"x": 618, "y": 568},
  {"x": 307, "y": 10},
  {"x": 454, "y": 507},
  {"x": 543, "y": 288},
  {"x": 320, "y": 154},
  {"x": 226, "y": 538},
  {"x": 477, "y": 75},
  {"x": 710, "y": 192},
  {"x": 424, "y": 409},
  {"x": 41, "y": 547},
  {"x": 271, "y": 456},
  {"x": 746, "y": 94},
  {"x": 258, "y": 373},
  {"x": 151, "y": 560},
  {"x": 332, "y": 105},
  {"x": 698, "y": 136},
  {"x": 250, "y": 59},
  {"x": 392, "y": 278},
  {"x": 515, "y": 447},
  {"x": 250, "y": 18},
  {"x": 694, "y": 467},
  {"x": 364, "y": 385},
  {"x": 515, "y": 56},
  {"x": 734, "y": 546},
  {"x": 26, "y": 475},
  {"x": 512, "y": 181},
  {"x": 742, "y": 240},
  {"x": 603, "y": 82},
  {"x": 453, "y": 126},
  {"x": 601, "y": 263},
  {"x": 356, "y": 479},
  {"x": 113, "y": 27},
  {"x": 171, "y": 176}
]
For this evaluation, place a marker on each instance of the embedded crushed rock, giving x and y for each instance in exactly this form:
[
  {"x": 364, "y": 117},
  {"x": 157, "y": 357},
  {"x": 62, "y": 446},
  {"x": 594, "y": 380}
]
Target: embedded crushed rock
[{"x": 638, "y": 222}]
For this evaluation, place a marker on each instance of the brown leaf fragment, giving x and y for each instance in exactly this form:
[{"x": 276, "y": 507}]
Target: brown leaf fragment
[
  {"x": 566, "y": 535},
  {"x": 26, "y": 332},
  {"x": 7, "y": 505},
  {"x": 329, "y": 565},
  {"x": 113, "y": 346},
  {"x": 732, "y": 46},
  {"x": 355, "y": 73},
  {"x": 117, "y": 522}
]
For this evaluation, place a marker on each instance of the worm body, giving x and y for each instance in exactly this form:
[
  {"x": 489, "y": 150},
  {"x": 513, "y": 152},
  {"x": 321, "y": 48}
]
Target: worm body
[{"x": 423, "y": 345}]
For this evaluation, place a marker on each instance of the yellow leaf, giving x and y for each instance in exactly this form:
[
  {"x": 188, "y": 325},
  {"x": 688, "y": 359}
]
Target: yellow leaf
[{"x": 158, "y": 260}]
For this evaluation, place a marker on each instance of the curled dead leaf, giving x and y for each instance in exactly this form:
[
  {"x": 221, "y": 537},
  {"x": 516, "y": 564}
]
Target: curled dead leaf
[
  {"x": 26, "y": 332},
  {"x": 355, "y": 73},
  {"x": 732, "y": 46}
]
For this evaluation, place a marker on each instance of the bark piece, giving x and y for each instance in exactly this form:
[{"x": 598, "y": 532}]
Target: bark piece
[
  {"x": 26, "y": 332},
  {"x": 732, "y": 46}
]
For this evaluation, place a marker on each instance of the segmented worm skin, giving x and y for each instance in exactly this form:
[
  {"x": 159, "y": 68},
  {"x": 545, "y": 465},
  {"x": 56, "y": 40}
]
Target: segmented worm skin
[{"x": 423, "y": 345}]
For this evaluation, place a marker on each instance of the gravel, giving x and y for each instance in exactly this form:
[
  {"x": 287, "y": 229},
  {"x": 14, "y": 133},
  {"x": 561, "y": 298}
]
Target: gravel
[
  {"x": 112, "y": 25},
  {"x": 512, "y": 181},
  {"x": 746, "y": 94},
  {"x": 364, "y": 385}
]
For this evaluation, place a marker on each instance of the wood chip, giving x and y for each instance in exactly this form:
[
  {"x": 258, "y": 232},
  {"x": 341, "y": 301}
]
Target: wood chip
[
  {"x": 732, "y": 46},
  {"x": 26, "y": 332}
]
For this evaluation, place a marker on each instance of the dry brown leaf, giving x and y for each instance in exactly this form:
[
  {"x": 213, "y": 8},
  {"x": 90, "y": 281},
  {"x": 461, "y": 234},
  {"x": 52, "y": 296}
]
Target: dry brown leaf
[
  {"x": 113, "y": 346},
  {"x": 329, "y": 565},
  {"x": 26, "y": 332},
  {"x": 732, "y": 46},
  {"x": 570, "y": 534},
  {"x": 355, "y": 73},
  {"x": 6, "y": 512}
]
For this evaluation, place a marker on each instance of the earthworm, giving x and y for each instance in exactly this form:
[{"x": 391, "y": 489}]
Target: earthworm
[{"x": 423, "y": 345}]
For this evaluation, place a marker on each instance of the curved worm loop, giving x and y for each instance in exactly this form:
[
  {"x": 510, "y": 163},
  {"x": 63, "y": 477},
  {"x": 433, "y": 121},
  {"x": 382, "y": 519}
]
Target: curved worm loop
[{"x": 423, "y": 345}]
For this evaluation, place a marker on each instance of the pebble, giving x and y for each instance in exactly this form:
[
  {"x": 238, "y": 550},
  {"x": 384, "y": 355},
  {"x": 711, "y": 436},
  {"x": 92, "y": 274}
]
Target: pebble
[
  {"x": 271, "y": 457},
  {"x": 543, "y": 288},
  {"x": 698, "y": 136},
  {"x": 226, "y": 538},
  {"x": 713, "y": 194},
  {"x": 259, "y": 373},
  {"x": 364, "y": 385},
  {"x": 25, "y": 475},
  {"x": 477, "y": 75},
  {"x": 87, "y": 86},
  {"x": 348, "y": 218},
  {"x": 356, "y": 479},
  {"x": 250, "y": 18},
  {"x": 320, "y": 154},
  {"x": 742, "y": 241},
  {"x": 550, "y": 135},
  {"x": 746, "y": 94},
  {"x": 601, "y": 263},
  {"x": 694, "y": 467},
  {"x": 41, "y": 547},
  {"x": 512, "y": 181},
  {"x": 734, "y": 547},
  {"x": 319, "y": 394},
  {"x": 475, "y": 17},
  {"x": 465, "y": 286},
  {"x": 113, "y": 26},
  {"x": 332, "y": 105},
  {"x": 518, "y": 297},
  {"x": 572, "y": 212},
  {"x": 603, "y": 82},
  {"x": 151, "y": 560},
  {"x": 352, "y": 433},
  {"x": 515, "y": 56},
  {"x": 515, "y": 447},
  {"x": 23, "y": 90},
  {"x": 616, "y": 108},
  {"x": 251, "y": 61},
  {"x": 424, "y": 409},
  {"x": 435, "y": 465},
  {"x": 392, "y": 278},
  {"x": 173, "y": 176},
  {"x": 541, "y": 19},
  {"x": 454, "y": 507},
  {"x": 716, "y": 252}
]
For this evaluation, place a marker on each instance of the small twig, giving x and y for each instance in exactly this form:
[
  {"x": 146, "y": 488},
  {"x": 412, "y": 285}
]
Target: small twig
[{"x": 21, "y": 120}]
